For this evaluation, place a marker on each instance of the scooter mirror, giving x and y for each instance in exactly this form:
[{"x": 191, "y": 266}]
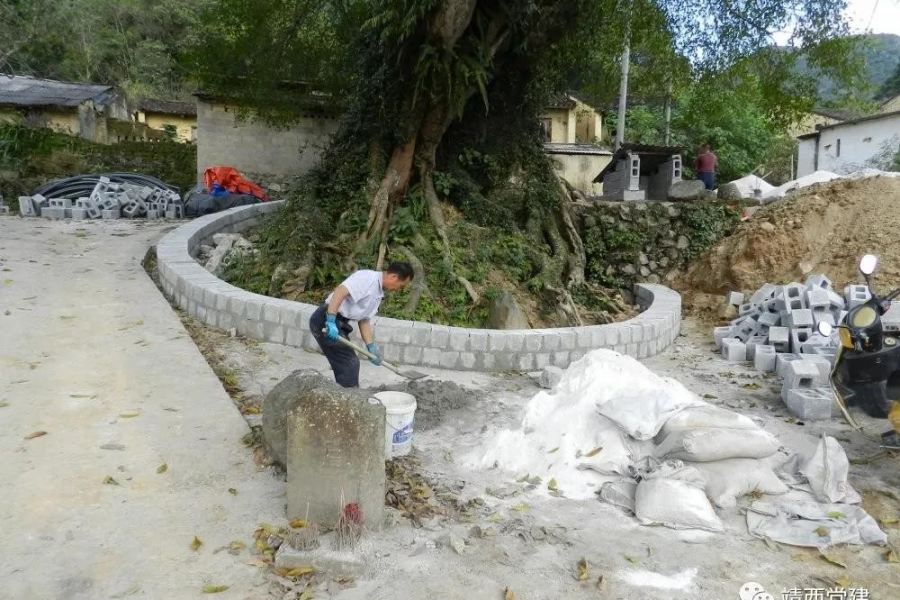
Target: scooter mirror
[
  {"x": 825, "y": 329},
  {"x": 868, "y": 264}
]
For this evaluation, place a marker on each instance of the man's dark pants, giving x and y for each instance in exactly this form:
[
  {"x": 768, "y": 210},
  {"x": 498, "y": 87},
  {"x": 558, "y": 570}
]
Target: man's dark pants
[
  {"x": 708, "y": 179},
  {"x": 344, "y": 361}
]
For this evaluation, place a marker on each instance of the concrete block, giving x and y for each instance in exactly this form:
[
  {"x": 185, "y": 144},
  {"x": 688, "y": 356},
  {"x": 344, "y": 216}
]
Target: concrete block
[
  {"x": 449, "y": 359},
  {"x": 766, "y": 292},
  {"x": 720, "y": 333},
  {"x": 801, "y": 374},
  {"x": 79, "y": 214},
  {"x": 478, "y": 340},
  {"x": 752, "y": 343},
  {"x": 823, "y": 363},
  {"x": 110, "y": 213},
  {"x": 431, "y": 357},
  {"x": 817, "y": 297},
  {"x": 412, "y": 355},
  {"x": 783, "y": 360},
  {"x": 835, "y": 300},
  {"x": 734, "y": 350},
  {"x": 791, "y": 297},
  {"x": 780, "y": 337},
  {"x": 842, "y": 317},
  {"x": 440, "y": 336},
  {"x": 60, "y": 203},
  {"x": 734, "y": 298},
  {"x": 765, "y": 358},
  {"x": 26, "y": 208},
  {"x": 854, "y": 295},
  {"x": 4, "y": 210},
  {"x": 810, "y": 404},
  {"x": 818, "y": 281},
  {"x": 828, "y": 352},
  {"x": 773, "y": 306},
  {"x": 747, "y": 329},
  {"x": 459, "y": 340},
  {"x": 799, "y": 336},
  {"x": 53, "y": 212},
  {"x": 567, "y": 339},
  {"x": 823, "y": 316},
  {"x": 798, "y": 318},
  {"x": 515, "y": 341},
  {"x": 533, "y": 341},
  {"x": 749, "y": 310},
  {"x": 769, "y": 319}
]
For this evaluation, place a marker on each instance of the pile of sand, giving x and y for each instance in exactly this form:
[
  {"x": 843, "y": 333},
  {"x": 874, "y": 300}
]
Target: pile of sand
[{"x": 824, "y": 229}]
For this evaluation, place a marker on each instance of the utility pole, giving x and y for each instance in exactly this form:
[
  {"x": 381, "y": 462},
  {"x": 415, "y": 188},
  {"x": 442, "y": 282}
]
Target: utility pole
[
  {"x": 668, "y": 110},
  {"x": 623, "y": 86}
]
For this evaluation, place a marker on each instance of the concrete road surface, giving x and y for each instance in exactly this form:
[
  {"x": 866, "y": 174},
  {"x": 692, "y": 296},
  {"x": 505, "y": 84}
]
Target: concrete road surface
[{"x": 93, "y": 355}]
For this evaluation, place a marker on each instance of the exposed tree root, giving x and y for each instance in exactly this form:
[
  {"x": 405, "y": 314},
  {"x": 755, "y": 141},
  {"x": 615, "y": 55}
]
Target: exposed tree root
[{"x": 418, "y": 287}]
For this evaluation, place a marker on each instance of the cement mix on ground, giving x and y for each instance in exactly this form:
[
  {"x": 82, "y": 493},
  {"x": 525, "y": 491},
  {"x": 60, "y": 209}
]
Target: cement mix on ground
[{"x": 435, "y": 399}]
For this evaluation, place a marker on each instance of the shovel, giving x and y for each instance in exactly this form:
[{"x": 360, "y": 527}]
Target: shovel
[{"x": 411, "y": 375}]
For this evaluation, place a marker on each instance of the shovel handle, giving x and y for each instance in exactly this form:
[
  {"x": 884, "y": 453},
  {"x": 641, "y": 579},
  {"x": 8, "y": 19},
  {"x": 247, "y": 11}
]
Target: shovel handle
[{"x": 342, "y": 340}]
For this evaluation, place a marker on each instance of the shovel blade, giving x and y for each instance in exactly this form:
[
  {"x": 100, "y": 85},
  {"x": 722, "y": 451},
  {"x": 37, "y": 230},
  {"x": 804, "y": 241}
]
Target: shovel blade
[{"x": 413, "y": 375}]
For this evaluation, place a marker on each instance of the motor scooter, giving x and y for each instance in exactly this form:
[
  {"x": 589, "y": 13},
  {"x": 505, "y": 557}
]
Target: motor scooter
[{"x": 866, "y": 369}]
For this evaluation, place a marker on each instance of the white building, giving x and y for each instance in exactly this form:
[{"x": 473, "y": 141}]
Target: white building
[{"x": 849, "y": 145}]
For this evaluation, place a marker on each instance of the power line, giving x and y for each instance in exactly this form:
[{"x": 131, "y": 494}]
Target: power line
[{"x": 869, "y": 26}]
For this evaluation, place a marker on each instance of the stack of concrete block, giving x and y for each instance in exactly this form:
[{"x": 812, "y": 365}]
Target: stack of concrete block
[
  {"x": 777, "y": 329},
  {"x": 108, "y": 200}
]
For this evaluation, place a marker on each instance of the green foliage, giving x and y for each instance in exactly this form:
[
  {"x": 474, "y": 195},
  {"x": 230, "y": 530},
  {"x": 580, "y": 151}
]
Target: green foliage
[
  {"x": 705, "y": 224},
  {"x": 888, "y": 156},
  {"x": 138, "y": 45},
  {"x": 891, "y": 87},
  {"x": 43, "y": 153}
]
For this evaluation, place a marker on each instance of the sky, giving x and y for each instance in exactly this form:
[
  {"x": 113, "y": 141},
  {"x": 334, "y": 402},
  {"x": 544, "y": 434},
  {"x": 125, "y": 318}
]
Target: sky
[{"x": 886, "y": 17}]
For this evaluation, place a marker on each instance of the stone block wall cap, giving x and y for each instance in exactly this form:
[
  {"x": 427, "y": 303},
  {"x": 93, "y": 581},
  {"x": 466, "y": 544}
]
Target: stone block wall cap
[{"x": 434, "y": 345}]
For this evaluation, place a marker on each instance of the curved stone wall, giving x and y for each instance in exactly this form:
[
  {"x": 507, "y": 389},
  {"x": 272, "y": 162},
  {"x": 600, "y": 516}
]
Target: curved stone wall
[{"x": 219, "y": 304}]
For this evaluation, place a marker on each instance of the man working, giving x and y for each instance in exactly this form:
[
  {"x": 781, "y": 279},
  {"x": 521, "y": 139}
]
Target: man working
[
  {"x": 356, "y": 299},
  {"x": 706, "y": 167}
]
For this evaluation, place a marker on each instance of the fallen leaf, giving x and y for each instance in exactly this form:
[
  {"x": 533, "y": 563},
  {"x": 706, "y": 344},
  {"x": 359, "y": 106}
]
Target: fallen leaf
[
  {"x": 214, "y": 589},
  {"x": 4, "y": 404},
  {"x": 751, "y": 386},
  {"x": 250, "y": 410},
  {"x": 632, "y": 559},
  {"x": 257, "y": 562},
  {"x": 298, "y": 523},
  {"x": 836, "y": 514},
  {"x": 582, "y": 567},
  {"x": 889, "y": 520},
  {"x": 170, "y": 409},
  {"x": 551, "y": 485},
  {"x": 554, "y": 450},
  {"x": 594, "y": 452},
  {"x": 892, "y": 557},
  {"x": 129, "y": 592},
  {"x": 195, "y": 545},
  {"x": 821, "y": 531},
  {"x": 508, "y": 594},
  {"x": 710, "y": 396},
  {"x": 834, "y": 560},
  {"x": 236, "y": 546},
  {"x": 109, "y": 481},
  {"x": 798, "y": 557},
  {"x": 129, "y": 415},
  {"x": 162, "y": 468},
  {"x": 300, "y": 572},
  {"x": 601, "y": 583},
  {"x": 306, "y": 595},
  {"x": 521, "y": 507},
  {"x": 495, "y": 518},
  {"x": 523, "y": 479},
  {"x": 843, "y": 582},
  {"x": 35, "y": 434},
  {"x": 91, "y": 396},
  {"x": 232, "y": 491}
]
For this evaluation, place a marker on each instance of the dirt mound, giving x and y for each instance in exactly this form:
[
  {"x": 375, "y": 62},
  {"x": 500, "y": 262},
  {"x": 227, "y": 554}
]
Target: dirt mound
[{"x": 824, "y": 229}]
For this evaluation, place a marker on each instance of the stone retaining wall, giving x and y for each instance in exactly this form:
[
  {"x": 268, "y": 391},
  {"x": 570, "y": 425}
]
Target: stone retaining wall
[{"x": 219, "y": 304}]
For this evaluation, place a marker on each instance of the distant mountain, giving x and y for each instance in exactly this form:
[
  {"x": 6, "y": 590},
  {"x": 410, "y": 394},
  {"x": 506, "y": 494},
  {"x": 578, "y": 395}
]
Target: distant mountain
[{"x": 881, "y": 55}]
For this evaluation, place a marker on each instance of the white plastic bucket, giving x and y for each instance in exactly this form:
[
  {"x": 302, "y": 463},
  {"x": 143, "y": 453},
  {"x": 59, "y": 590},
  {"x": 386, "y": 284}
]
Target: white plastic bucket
[{"x": 400, "y": 409}]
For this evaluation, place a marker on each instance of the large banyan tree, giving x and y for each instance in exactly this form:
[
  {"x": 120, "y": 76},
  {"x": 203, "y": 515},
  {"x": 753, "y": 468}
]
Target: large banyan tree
[{"x": 441, "y": 102}]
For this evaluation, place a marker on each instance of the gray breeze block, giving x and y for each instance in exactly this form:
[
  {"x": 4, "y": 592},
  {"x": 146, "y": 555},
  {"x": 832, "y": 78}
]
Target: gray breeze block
[
  {"x": 764, "y": 358},
  {"x": 810, "y": 404},
  {"x": 734, "y": 350}
]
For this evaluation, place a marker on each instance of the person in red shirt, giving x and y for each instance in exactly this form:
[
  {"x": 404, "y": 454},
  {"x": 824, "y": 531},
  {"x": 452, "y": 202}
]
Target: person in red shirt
[{"x": 706, "y": 167}]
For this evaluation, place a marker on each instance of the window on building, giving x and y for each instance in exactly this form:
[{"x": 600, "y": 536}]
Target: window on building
[
  {"x": 547, "y": 127},
  {"x": 838, "y": 152}
]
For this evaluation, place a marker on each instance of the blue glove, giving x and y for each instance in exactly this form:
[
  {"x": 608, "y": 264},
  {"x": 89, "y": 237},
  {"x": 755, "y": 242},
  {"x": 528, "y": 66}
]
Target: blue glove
[
  {"x": 331, "y": 330},
  {"x": 374, "y": 350}
]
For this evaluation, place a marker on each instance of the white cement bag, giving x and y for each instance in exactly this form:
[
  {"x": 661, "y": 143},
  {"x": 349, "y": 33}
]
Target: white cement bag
[
  {"x": 705, "y": 417},
  {"x": 619, "y": 493},
  {"x": 707, "y": 445},
  {"x": 674, "y": 503},
  {"x": 728, "y": 480},
  {"x": 622, "y": 389},
  {"x": 827, "y": 470}
]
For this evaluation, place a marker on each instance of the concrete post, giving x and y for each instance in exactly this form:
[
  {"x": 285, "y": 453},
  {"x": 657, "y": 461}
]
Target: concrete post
[{"x": 335, "y": 458}]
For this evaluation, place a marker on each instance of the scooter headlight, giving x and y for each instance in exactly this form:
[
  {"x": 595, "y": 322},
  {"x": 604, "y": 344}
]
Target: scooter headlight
[{"x": 864, "y": 317}]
